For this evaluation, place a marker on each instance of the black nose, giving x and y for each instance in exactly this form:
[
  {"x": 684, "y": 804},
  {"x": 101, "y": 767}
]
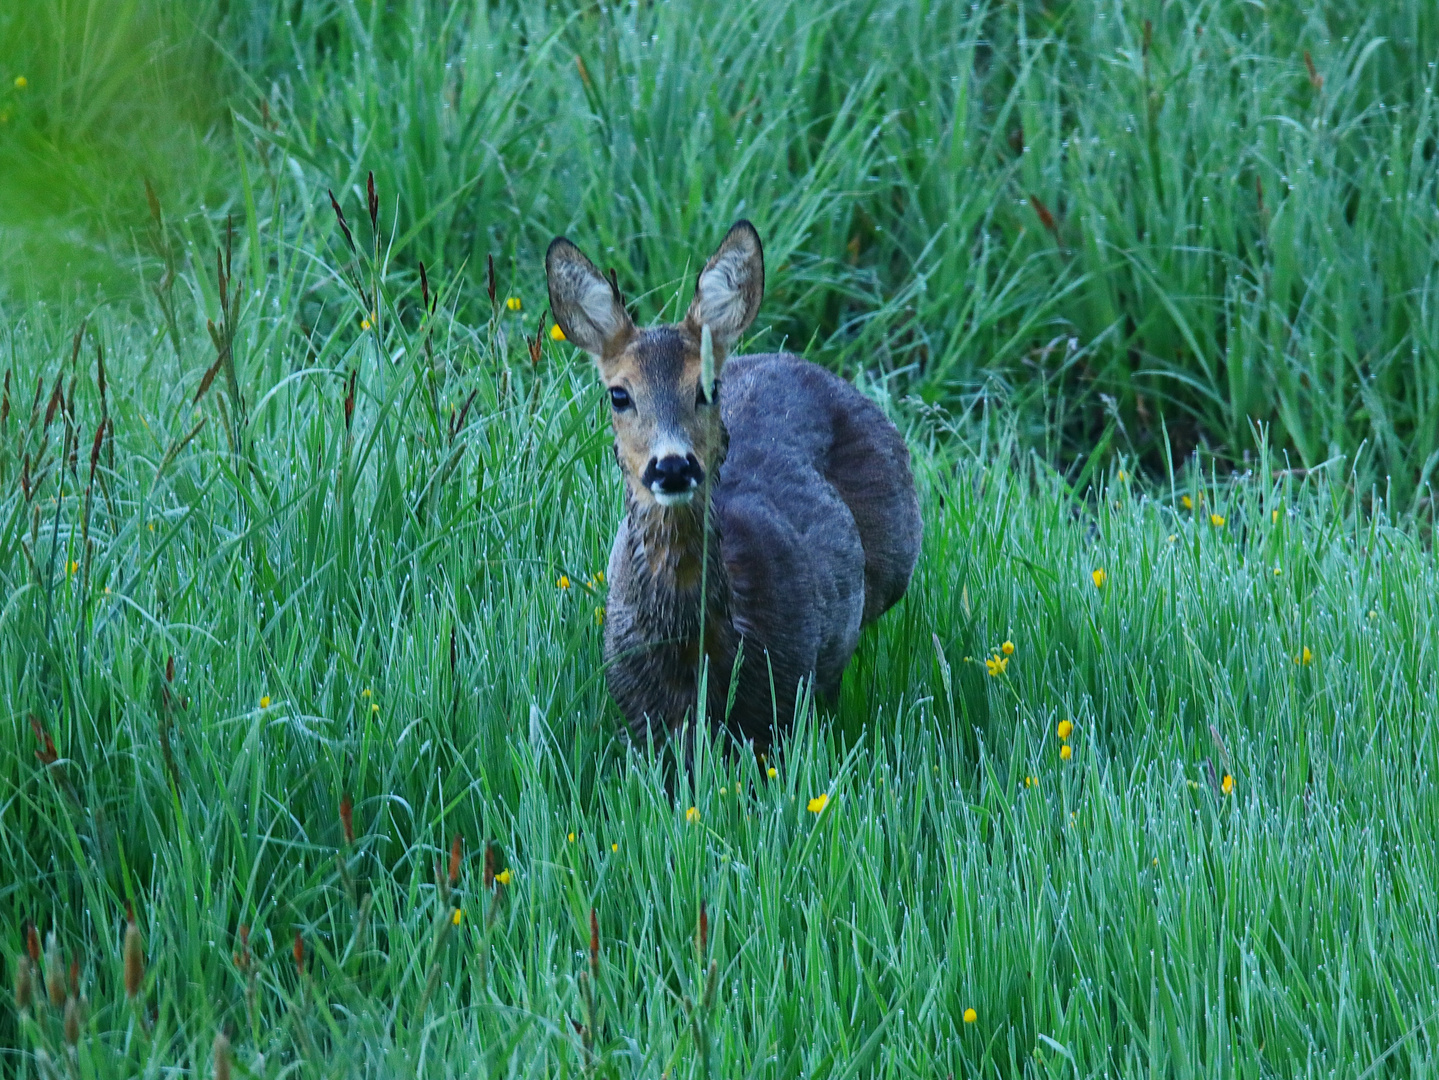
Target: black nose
[{"x": 674, "y": 475}]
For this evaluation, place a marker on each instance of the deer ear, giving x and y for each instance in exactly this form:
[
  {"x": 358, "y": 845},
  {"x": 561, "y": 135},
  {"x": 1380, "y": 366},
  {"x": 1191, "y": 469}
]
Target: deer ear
[
  {"x": 730, "y": 287},
  {"x": 588, "y": 308}
]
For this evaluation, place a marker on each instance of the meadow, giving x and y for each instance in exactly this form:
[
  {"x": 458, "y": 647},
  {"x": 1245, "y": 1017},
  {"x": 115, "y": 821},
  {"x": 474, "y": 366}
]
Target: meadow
[{"x": 307, "y": 765}]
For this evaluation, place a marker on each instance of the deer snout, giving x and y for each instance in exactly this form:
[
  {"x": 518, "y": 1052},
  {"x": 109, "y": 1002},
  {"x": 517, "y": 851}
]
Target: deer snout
[{"x": 673, "y": 479}]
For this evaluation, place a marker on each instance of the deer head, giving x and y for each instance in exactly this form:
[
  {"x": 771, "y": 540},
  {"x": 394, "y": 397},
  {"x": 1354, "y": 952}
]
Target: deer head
[{"x": 663, "y": 381}]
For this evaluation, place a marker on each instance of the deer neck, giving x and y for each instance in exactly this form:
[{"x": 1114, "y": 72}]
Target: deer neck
[{"x": 681, "y": 567}]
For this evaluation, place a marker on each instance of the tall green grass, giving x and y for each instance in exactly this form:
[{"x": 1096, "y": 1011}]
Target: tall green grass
[
  {"x": 338, "y": 588},
  {"x": 314, "y": 552},
  {"x": 1156, "y": 226}
]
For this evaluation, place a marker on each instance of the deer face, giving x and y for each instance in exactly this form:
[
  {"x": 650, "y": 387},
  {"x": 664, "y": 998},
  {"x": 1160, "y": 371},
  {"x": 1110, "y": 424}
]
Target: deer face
[{"x": 663, "y": 383}]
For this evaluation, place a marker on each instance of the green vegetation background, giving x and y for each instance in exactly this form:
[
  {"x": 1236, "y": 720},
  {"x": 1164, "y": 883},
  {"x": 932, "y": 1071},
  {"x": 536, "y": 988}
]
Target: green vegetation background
[{"x": 312, "y": 549}]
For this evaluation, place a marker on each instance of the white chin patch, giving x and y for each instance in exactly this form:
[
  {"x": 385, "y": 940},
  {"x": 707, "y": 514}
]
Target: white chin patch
[{"x": 667, "y": 498}]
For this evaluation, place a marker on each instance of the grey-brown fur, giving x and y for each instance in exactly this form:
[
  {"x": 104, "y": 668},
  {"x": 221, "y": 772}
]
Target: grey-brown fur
[{"x": 807, "y": 493}]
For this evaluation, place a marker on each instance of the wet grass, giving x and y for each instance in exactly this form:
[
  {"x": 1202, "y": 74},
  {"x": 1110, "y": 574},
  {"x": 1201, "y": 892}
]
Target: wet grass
[{"x": 282, "y": 618}]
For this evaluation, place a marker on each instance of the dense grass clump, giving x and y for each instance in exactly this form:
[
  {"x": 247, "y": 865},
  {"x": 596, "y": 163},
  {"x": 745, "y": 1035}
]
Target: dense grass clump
[
  {"x": 306, "y": 761},
  {"x": 1155, "y": 224}
]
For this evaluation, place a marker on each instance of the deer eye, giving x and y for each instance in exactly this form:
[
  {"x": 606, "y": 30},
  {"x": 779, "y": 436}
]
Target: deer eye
[{"x": 620, "y": 398}]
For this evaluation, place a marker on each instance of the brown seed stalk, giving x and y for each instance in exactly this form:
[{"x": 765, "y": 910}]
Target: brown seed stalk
[
  {"x": 242, "y": 956},
  {"x": 1316, "y": 80},
  {"x": 347, "y": 818},
  {"x": 703, "y": 936},
  {"x": 32, "y": 942},
  {"x": 299, "y": 951},
  {"x": 489, "y": 878},
  {"x": 134, "y": 955},
  {"x": 340, "y": 217},
  {"x": 1045, "y": 217},
  {"x": 47, "y": 755},
  {"x": 350, "y": 399},
  {"x": 456, "y": 846},
  {"x": 594, "y": 945}
]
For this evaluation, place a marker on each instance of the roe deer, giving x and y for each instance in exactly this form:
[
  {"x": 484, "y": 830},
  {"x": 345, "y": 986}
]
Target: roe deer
[{"x": 762, "y": 487}]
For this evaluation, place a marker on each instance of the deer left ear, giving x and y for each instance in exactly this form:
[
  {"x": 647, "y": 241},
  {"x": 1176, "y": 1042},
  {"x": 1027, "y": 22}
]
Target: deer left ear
[{"x": 730, "y": 287}]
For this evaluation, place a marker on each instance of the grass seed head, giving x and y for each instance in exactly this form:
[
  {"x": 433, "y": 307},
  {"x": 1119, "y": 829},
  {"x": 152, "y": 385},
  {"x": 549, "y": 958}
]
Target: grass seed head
[
  {"x": 72, "y": 1022},
  {"x": 299, "y": 952},
  {"x": 222, "y": 1056},
  {"x": 456, "y": 847},
  {"x": 54, "y": 971},
  {"x": 489, "y": 878}
]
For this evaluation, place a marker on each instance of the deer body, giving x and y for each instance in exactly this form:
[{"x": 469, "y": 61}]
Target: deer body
[{"x": 768, "y": 525}]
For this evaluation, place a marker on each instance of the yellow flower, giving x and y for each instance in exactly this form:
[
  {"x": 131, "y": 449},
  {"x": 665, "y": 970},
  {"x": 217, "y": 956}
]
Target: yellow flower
[
  {"x": 366, "y": 692},
  {"x": 265, "y": 701},
  {"x": 1007, "y": 648},
  {"x": 1065, "y": 729},
  {"x": 771, "y": 772},
  {"x": 996, "y": 665},
  {"x": 1100, "y": 577},
  {"x": 1278, "y": 571},
  {"x": 614, "y": 847},
  {"x": 1066, "y": 752},
  {"x": 457, "y": 916},
  {"x": 503, "y": 877},
  {"x": 1122, "y": 477},
  {"x": 571, "y": 838},
  {"x": 692, "y": 815},
  {"x": 1228, "y": 784},
  {"x": 72, "y": 567},
  {"x": 1187, "y": 503},
  {"x": 599, "y": 616},
  {"x": 556, "y": 334},
  {"x": 970, "y": 1016},
  {"x": 600, "y": 576},
  {"x": 1216, "y": 520},
  {"x": 21, "y": 82},
  {"x": 1305, "y": 657},
  {"x": 1031, "y": 781},
  {"x": 563, "y": 581},
  {"x": 375, "y": 707},
  {"x": 1155, "y": 861},
  {"x": 513, "y": 303},
  {"x": 724, "y": 791},
  {"x": 818, "y": 803},
  {"x": 1274, "y": 517}
]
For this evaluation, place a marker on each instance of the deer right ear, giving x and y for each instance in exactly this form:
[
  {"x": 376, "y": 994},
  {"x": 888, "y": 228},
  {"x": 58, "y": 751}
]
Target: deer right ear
[{"x": 588, "y": 308}]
